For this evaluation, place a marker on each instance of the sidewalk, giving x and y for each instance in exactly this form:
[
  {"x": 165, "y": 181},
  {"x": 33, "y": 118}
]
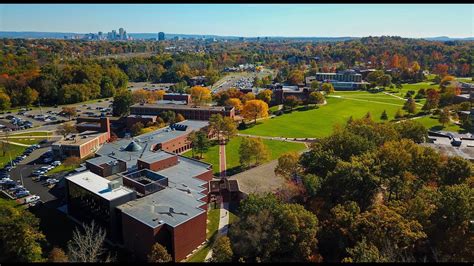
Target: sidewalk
[{"x": 223, "y": 225}]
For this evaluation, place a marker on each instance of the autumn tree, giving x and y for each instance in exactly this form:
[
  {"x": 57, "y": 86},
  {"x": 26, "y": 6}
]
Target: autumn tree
[
  {"x": 5, "y": 101},
  {"x": 136, "y": 128},
  {"x": 222, "y": 250},
  {"x": 20, "y": 237},
  {"x": 328, "y": 88},
  {"x": 316, "y": 97},
  {"x": 69, "y": 111},
  {"x": 252, "y": 149},
  {"x": 295, "y": 77},
  {"x": 248, "y": 97},
  {"x": 291, "y": 102},
  {"x": 159, "y": 254},
  {"x": 236, "y": 103},
  {"x": 66, "y": 129},
  {"x": 265, "y": 95},
  {"x": 200, "y": 95},
  {"x": 410, "y": 106},
  {"x": 179, "y": 118},
  {"x": 57, "y": 255},
  {"x": 444, "y": 117},
  {"x": 315, "y": 85},
  {"x": 254, "y": 109},
  {"x": 229, "y": 128},
  {"x": 140, "y": 96},
  {"x": 432, "y": 99},
  {"x": 288, "y": 166}
]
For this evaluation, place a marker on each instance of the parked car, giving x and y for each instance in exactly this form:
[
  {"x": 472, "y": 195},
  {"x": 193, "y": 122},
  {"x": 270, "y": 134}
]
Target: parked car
[
  {"x": 22, "y": 194},
  {"x": 32, "y": 198},
  {"x": 56, "y": 163},
  {"x": 48, "y": 160}
]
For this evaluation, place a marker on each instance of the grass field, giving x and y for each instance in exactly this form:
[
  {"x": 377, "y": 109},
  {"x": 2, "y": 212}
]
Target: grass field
[
  {"x": 319, "y": 122},
  {"x": 275, "y": 147},
  {"x": 212, "y": 226},
  {"x": 431, "y": 123},
  {"x": 13, "y": 151},
  {"x": 27, "y": 141},
  {"x": 61, "y": 168},
  {"x": 28, "y": 134}
]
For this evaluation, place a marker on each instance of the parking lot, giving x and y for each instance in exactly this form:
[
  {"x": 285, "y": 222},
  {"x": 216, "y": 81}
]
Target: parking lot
[
  {"x": 47, "y": 118},
  {"x": 22, "y": 175}
]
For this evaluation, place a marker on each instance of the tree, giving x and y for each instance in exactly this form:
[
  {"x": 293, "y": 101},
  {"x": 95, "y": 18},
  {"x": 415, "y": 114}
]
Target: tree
[
  {"x": 159, "y": 254},
  {"x": 5, "y": 102},
  {"x": 140, "y": 96},
  {"x": 288, "y": 165},
  {"x": 265, "y": 95},
  {"x": 222, "y": 250},
  {"x": 316, "y": 97},
  {"x": 410, "y": 106},
  {"x": 384, "y": 80},
  {"x": 69, "y": 111},
  {"x": 179, "y": 118},
  {"x": 315, "y": 85},
  {"x": 247, "y": 97},
  {"x": 328, "y": 88},
  {"x": 122, "y": 102},
  {"x": 312, "y": 184},
  {"x": 444, "y": 117},
  {"x": 291, "y": 102},
  {"x": 466, "y": 123},
  {"x": 216, "y": 125},
  {"x": 229, "y": 128},
  {"x": 168, "y": 116},
  {"x": 29, "y": 96},
  {"x": 254, "y": 109},
  {"x": 398, "y": 114},
  {"x": 252, "y": 148},
  {"x": 295, "y": 77},
  {"x": 364, "y": 252},
  {"x": 136, "y": 128},
  {"x": 57, "y": 255},
  {"x": 384, "y": 115},
  {"x": 200, "y": 95},
  {"x": 66, "y": 129},
  {"x": 201, "y": 142},
  {"x": 412, "y": 129},
  {"x": 455, "y": 170},
  {"x": 432, "y": 99},
  {"x": 87, "y": 246},
  {"x": 236, "y": 103},
  {"x": 20, "y": 237}
]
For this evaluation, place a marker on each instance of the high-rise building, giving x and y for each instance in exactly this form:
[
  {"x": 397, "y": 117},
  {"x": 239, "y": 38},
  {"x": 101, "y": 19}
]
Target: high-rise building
[
  {"x": 121, "y": 33},
  {"x": 161, "y": 36},
  {"x": 114, "y": 34}
]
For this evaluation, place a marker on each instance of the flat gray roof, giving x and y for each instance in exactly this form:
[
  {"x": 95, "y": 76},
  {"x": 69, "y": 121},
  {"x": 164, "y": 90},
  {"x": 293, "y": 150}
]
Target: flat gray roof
[
  {"x": 177, "y": 106},
  {"x": 168, "y": 206}
]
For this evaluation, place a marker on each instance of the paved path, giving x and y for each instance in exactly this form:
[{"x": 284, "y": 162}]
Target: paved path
[
  {"x": 393, "y": 95},
  {"x": 223, "y": 225},
  {"x": 222, "y": 160},
  {"x": 278, "y": 138}
]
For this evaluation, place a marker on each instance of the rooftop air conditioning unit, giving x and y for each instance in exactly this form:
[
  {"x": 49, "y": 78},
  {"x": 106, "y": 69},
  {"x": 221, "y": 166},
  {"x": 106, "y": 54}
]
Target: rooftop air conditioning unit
[{"x": 114, "y": 185}]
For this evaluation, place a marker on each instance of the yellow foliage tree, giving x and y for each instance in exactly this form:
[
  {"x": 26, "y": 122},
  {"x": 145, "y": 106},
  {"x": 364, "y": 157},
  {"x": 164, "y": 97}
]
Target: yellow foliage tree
[
  {"x": 236, "y": 103},
  {"x": 155, "y": 95},
  {"x": 200, "y": 95},
  {"x": 254, "y": 109}
]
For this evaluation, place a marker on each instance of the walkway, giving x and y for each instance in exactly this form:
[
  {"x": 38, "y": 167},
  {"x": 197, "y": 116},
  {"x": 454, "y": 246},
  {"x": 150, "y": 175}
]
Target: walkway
[
  {"x": 278, "y": 138},
  {"x": 16, "y": 143},
  {"x": 223, "y": 226},
  {"x": 222, "y": 160},
  {"x": 393, "y": 95}
]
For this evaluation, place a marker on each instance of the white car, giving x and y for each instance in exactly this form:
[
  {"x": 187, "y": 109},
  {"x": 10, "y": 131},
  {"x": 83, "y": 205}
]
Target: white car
[
  {"x": 56, "y": 163},
  {"x": 52, "y": 181},
  {"x": 32, "y": 198}
]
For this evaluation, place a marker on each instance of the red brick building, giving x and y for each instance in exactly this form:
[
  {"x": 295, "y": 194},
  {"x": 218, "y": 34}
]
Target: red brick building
[{"x": 188, "y": 111}]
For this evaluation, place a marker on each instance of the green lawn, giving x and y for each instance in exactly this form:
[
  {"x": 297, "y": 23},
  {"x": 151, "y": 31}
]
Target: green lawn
[
  {"x": 12, "y": 152},
  {"x": 62, "y": 168},
  {"x": 39, "y": 133},
  {"x": 275, "y": 147},
  {"x": 212, "y": 226},
  {"x": 431, "y": 122},
  {"x": 319, "y": 122},
  {"x": 27, "y": 141}
]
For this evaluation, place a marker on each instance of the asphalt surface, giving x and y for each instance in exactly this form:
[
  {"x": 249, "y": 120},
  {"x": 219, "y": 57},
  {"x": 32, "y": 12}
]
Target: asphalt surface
[{"x": 26, "y": 167}]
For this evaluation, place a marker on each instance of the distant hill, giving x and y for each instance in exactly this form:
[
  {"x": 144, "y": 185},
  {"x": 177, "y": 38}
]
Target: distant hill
[{"x": 61, "y": 35}]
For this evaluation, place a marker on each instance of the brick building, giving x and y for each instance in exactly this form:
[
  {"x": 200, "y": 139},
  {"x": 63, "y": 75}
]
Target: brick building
[
  {"x": 171, "y": 193},
  {"x": 188, "y": 111},
  {"x": 177, "y": 97}
]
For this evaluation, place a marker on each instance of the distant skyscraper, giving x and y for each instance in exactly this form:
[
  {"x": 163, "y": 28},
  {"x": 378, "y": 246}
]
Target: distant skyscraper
[
  {"x": 121, "y": 33},
  {"x": 161, "y": 36},
  {"x": 114, "y": 34}
]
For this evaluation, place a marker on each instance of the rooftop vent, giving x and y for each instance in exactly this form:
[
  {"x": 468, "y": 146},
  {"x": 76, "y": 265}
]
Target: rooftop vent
[{"x": 133, "y": 146}]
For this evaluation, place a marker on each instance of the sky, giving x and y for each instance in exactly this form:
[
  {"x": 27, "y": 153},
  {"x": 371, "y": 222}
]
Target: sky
[{"x": 247, "y": 20}]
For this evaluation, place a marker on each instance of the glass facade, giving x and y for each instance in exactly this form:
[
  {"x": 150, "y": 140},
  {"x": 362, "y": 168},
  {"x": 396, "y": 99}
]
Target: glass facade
[{"x": 86, "y": 206}]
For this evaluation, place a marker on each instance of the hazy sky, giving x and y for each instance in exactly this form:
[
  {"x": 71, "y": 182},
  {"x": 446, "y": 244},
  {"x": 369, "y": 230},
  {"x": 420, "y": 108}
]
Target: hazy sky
[{"x": 325, "y": 20}]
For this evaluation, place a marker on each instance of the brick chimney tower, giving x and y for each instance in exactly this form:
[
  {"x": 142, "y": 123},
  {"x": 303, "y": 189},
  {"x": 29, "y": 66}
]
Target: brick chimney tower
[{"x": 105, "y": 126}]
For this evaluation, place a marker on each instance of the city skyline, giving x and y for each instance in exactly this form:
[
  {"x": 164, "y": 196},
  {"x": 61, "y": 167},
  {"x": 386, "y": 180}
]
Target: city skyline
[{"x": 246, "y": 20}]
